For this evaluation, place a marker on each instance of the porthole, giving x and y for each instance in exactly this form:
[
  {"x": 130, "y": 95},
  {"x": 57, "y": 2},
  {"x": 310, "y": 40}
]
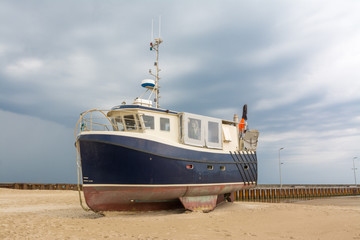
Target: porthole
[
  {"x": 210, "y": 167},
  {"x": 222, "y": 168},
  {"x": 246, "y": 167},
  {"x": 189, "y": 166}
]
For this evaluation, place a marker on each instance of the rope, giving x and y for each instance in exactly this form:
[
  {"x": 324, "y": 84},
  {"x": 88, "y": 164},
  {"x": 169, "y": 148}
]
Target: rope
[{"x": 78, "y": 162}]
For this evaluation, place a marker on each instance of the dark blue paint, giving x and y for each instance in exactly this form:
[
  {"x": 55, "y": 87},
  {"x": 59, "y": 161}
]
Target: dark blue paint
[
  {"x": 157, "y": 148},
  {"x": 109, "y": 159}
]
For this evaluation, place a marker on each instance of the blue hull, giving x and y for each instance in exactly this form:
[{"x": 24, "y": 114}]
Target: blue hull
[
  {"x": 130, "y": 174},
  {"x": 111, "y": 159}
]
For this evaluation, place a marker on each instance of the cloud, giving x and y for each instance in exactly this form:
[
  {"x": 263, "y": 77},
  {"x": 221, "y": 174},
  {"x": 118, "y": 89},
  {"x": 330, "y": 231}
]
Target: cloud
[
  {"x": 24, "y": 67},
  {"x": 294, "y": 64},
  {"x": 321, "y": 45},
  {"x": 3, "y": 49},
  {"x": 36, "y": 150}
]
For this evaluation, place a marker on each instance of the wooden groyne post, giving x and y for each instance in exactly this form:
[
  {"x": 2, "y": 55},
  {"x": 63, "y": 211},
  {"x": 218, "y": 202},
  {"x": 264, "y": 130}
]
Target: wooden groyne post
[
  {"x": 274, "y": 192},
  {"x": 40, "y": 186}
]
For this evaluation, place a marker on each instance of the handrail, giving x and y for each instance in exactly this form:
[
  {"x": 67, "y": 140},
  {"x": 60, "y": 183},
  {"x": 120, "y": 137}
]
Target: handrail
[
  {"x": 82, "y": 115},
  {"x": 95, "y": 123},
  {"x": 88, "y": 123}
]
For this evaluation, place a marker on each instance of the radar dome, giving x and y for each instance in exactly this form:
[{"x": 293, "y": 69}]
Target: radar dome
[{"x": 148, "y": 83}]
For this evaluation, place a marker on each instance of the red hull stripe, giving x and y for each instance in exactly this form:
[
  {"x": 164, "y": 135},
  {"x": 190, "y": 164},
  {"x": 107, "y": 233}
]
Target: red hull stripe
[{"x": 146, "y": 197}]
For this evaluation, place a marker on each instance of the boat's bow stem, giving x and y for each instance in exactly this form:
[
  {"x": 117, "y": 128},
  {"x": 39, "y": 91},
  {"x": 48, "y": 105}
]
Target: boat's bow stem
[{"x": 78, "y": 156}]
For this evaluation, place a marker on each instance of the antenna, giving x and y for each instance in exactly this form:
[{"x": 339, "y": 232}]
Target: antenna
[
  {"x": 152, "y": 30},
  {"x": 154, "y": 45},
  {"x": 160, "y": 26}
]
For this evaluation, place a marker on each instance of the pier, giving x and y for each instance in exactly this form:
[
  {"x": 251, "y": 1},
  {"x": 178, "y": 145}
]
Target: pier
[{"x": 275, "y": 192}]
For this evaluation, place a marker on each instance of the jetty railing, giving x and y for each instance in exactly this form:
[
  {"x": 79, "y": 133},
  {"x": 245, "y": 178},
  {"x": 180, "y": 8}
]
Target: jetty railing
[{"x": 273, "y": 192}]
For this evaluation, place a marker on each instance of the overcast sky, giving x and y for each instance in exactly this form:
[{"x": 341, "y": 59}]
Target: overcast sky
[{"x": 295, "y": 63}]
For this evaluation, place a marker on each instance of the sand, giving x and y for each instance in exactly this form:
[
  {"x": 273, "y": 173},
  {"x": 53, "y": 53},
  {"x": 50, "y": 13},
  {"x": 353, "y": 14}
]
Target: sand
[{"x": 49, "y": 214}]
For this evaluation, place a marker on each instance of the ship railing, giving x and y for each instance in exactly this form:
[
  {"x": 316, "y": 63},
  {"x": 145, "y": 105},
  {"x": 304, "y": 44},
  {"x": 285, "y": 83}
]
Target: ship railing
[
  {"x": 98, "y": 120},
  {"x": 95, "y": 120},
  {"x": 94, "y": 124}
]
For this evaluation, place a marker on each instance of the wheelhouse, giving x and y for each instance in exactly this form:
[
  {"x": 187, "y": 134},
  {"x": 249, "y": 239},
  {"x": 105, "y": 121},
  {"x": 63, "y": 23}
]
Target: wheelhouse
[{"x": 159, "y": 124}]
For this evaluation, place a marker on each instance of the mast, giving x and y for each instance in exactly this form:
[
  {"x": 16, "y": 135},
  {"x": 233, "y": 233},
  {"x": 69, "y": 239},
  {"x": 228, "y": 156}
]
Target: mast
[{"x": 155, "y": 46}]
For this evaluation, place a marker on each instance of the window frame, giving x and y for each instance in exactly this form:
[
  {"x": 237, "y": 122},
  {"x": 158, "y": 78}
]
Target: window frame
[
  {"x": 210, "y": 144},
  {"x": 185, "y": 119},
  {"x": 191, "y": 141},
  {"x": 168, "y": 121},
  {"x": 153, "y": 122},
  {"x": 134, "y": 119},
  {"x": 119, "y": 122}
]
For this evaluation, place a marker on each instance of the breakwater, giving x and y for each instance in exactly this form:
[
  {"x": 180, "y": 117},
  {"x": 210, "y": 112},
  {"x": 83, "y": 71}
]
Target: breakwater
[
  {"x": 40, "y": 186},
  {"x": 274, "y": 192},
  {"x": 259, "y": 193}
]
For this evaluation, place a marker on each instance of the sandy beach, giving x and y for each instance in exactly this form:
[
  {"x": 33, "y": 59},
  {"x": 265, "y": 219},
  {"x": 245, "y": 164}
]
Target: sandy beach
[{"x": 50, "y": 214}]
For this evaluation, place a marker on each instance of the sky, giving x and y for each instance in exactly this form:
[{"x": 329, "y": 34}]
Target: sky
[{"x": 294, "y": 63}]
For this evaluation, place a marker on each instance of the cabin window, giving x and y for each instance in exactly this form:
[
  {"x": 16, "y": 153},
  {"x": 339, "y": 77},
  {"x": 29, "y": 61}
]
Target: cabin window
[
  {"x": 194, "y": 128},
  {"x": 201, "y": 131},
  {"x": 164, "y": 124},
  {"x": 119, "y": 123},
  {"x": 149, "y": 121},
  {"x": 130, "y": 122},
  {"x": 213, "y": 132}
]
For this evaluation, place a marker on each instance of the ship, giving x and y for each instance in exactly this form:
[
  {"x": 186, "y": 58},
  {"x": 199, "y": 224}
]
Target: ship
[{"x": 142, "y": 157}]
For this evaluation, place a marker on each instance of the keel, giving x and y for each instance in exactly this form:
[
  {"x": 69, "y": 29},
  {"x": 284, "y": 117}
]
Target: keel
[{"x": 199, "y": 203}]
